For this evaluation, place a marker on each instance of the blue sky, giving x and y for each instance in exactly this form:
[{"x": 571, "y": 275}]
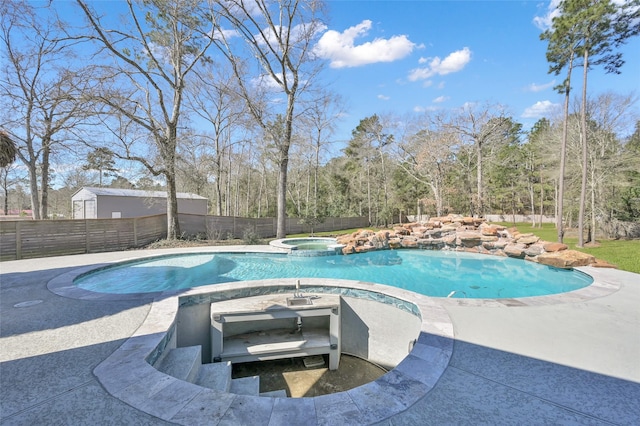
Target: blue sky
[
  {"x": 399, "y": 57},
  {"x": 405, "y": 56}
]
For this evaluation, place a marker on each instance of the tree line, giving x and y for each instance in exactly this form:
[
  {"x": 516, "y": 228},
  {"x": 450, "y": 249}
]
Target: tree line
[{"x": 223, "y": 99}]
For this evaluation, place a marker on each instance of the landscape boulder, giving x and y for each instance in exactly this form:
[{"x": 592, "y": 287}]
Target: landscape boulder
[
  {"x": 460, "y": 233},
  {"x": 566, "y": 259},
  {"x": 551, "y": 247}
]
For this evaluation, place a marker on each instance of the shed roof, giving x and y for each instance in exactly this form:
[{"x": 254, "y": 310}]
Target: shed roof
[{"x": 119, "y": 192}]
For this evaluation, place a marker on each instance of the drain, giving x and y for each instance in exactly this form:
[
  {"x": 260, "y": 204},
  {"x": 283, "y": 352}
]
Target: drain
[
  {"x": 27, "y": 303},
  {"x": 313, "y": 361}
]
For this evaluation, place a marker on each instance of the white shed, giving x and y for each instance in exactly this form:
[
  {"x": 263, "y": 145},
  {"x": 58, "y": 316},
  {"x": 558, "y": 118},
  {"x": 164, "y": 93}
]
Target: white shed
[{"x": 105, "y": 203}]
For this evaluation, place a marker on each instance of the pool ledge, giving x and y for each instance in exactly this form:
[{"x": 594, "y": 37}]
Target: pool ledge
[
  {"x": 601, "y": 286},
  {"x": 128, "y": 376}
]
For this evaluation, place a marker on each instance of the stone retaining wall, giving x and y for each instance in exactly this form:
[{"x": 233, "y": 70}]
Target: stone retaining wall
[{"x": 468, "y": 234}]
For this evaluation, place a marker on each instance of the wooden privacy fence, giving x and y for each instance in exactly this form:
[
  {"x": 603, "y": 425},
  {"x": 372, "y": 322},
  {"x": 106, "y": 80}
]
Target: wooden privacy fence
[
  {"x": 42, "y": 238},
  {"x": 225, "y": 227}
]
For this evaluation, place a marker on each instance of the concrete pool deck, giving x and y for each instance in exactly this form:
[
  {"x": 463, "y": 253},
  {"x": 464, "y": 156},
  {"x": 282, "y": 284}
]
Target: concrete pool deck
[{"x": 560, "y": 360}]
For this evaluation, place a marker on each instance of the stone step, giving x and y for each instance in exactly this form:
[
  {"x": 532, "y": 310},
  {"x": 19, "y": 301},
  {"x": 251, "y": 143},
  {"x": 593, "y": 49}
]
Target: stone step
[
  {"x": 215, "y": 376},
  {"x": 280, "y": 393},
  {"x": 246, "y": 386},
  {"x": 182, "y": 363}
]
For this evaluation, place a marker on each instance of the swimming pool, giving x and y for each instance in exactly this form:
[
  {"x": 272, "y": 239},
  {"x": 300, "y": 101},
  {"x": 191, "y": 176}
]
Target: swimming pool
[{"x": 431, "y": 273}]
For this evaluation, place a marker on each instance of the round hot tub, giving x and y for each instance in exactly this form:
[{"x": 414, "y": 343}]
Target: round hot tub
[{"x": 309, "y": 246}]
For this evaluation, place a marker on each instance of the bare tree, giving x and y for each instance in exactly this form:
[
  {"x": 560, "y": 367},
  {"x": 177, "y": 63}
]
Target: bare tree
[
  {"x": 279, "y": 36},
  {"x": 320, "y": 119},
  {"x": 43, "y": 92},
  {"x": 608, "y": 161},
  {"x": 152, "y": 58},
  {"x": 213, "y": 98},
  {"x": 426, "y": 155},
  {"x": 477, "y": 125}
]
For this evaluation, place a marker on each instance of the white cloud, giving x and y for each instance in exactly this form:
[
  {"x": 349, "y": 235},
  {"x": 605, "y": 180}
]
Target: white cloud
[
  {"x": 224, "y": 34},
  {"x": 533, "y": 87},
  {"x": 455, "y": 62},
  {"x": 383, "y": 97},
  {"x": 341, "y": 50},
  {"x": 440, "y": 99},
  {"x": 540, "y": 109},
  {"x": 544, "y": 22}
]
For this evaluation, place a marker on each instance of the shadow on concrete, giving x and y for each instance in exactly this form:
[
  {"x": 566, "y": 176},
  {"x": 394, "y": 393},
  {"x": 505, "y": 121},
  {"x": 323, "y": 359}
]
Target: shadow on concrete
[
  {"x": 51, "y": 310},
  {"x": 49, "y": 350}
]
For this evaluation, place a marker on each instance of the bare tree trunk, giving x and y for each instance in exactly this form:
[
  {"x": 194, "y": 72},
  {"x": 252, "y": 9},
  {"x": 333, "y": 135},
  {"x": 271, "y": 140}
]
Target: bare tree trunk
[
  {"x": 236, "y": 196},
  {"x": 44, "y": 177},
  {"x": 260, "y": 189},
  {"x": 173, "y": 224},
  {"x": 315, "y": 179},
  {"x": 35, "y": 196},
  {"x": 369, "y": 193},
  {"x": 227, "y": 206},
  {"x": 246, "y": 207},
  {"x": 479, "y": 179},
  {"x": 308, "y": 192}
]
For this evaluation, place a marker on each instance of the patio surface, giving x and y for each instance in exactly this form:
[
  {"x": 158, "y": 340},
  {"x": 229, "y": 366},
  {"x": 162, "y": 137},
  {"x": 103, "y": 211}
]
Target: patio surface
[{"x": 558, "y": 360}]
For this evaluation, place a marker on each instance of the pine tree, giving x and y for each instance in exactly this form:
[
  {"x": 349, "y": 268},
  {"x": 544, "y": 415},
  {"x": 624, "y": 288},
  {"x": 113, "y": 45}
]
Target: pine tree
[{"x": 592, "y": 30}]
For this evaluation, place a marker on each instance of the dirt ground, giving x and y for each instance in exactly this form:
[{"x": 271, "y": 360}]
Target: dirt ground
[{"x": 299, "y": 381}]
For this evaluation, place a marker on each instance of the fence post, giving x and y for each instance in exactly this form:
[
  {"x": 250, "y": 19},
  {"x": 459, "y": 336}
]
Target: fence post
[
  {"x": 18, "y": 240},
  {"x": 87, "y": 237},
  {"x": 135, "y": 232}
]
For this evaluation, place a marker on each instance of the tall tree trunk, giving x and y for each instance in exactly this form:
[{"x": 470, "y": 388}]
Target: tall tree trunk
[
  {"x": 35, "y": 194},
  {"x": 315, "y": 179},
  {"x": 260, "y": 189},
  {"x": 44, "y": 176},
  {"x": 583, "y": 125},
  {"x": 218, "y": 186},
  {"x": 369, "y": 193},
  {"x": 227, "y": 201},
  {"x": 281, "y": 226},
  {"x": 173, "y": 224},
  {"x": 593, "y": 208},
  {"x": 479, "y": 179},
  {"x": 541, "y": 201},
  {"x": 563, "y": 155},
  {"x": 5, "y": 188},
  {"x": 385, "y": 188},
  {"x": 532, "y": 200},
  {"x": 248, "y": 197}
]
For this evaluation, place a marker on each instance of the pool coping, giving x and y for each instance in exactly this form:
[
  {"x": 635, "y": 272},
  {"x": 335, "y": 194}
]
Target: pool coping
[{"x": 127, "y": 375}]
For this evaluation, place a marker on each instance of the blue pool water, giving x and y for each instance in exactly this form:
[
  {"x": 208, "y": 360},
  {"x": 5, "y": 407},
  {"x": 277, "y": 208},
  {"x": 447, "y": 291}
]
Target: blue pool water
[{"x": 432, "y": 273}]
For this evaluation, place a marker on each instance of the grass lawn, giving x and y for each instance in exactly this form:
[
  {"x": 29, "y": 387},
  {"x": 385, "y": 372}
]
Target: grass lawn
[{"x": 625, "y": 254}]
